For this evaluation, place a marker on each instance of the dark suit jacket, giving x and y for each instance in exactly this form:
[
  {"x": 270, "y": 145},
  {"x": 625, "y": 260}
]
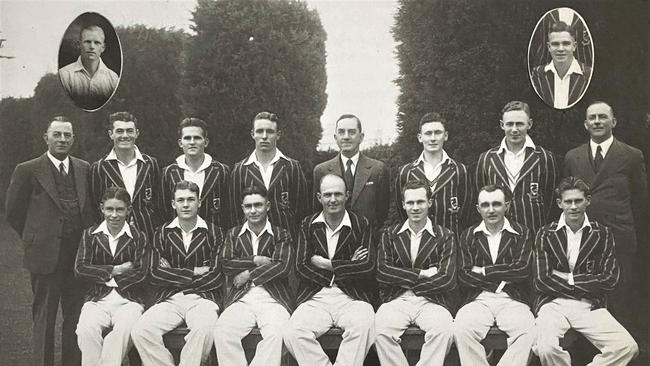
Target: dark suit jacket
[
  {"x": 619, "y": 191},
  {"x": 34, "y": 212},
  {"x": 370, "y": 195},
  {"x": 544, "y": 84}
]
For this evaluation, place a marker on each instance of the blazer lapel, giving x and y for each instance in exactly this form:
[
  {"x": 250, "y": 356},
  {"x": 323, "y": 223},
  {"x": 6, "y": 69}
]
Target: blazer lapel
[
  {"x": 199, "y": 238},
  {"x": 246, "y": 243},
  {"x": 81, "y": 183},
  {"x": 253, "y": 174},
  {"x": 143, "y": 170},
  {"x": 44, "y": 175},
  {"x": 558, "y": 244},
  {"x": 507, "y": 239},
  {"x": 448, "y": 172},
  {"x": 361, "y": 175},
  {"x": 211, "y": 177},
  {"x": 609, "y": 162},
  {"x": 499, "y": 166},
  {"x": 122, "y": 243},
  {"x": 112, "y": 171},
  {"x": 176, "y": 240},
  {"x": 587, "y": 245},
  {"x": 321, "y": 238},
  {"x": 334, "y": 165},
  {"x": 344, "y": 240},
  {"x": 278, "y": 170},
  {"x": 102, "y": 240},
  {"x": 529, "y": 164},
  {"x": 483, "y": 245},
  {"x": 403, "y": 248},
  {"x": 266, "y": 245},
  {"x": 427, "y": 246}
]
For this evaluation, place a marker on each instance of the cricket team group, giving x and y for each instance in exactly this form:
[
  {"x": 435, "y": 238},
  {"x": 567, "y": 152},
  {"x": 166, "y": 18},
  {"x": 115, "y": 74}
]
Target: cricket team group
[{"x": 132, "y": 251}]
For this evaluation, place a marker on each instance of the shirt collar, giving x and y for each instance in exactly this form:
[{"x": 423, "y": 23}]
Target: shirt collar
[
  {"x": 200, "y": 223},
  {"x": 506, "y": 226},
  {"x": 528, "y": 143},
  {"x": 420, "y": 159},
  {"x": 138, "y": 156},
  {"x": 103, "y": 228},
  {"x": 605, "y": 145},
  {"x": 57, "y": 162},
  {"x": 253, "y": 158},
  {"x": 428, "y": 227},
  {"x": 354, "y": 158},
  {"x": 573, "y": 69},
  {"x": 562, "y": 223},
  {"x": 268, "y": 228},
  {"x": 79, "y": 66},
  {"x": 345, "y": 222},
  {"x": 183, "y": 165}
]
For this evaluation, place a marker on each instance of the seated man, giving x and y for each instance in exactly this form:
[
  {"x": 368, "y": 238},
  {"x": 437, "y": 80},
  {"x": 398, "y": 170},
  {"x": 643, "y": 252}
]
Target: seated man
[
  {"x": 416, "y": 271},
  {"x": 187, "y": 274},
  {"x": 259, "y": 255},
  {"x": 494, "y": 271},
  {"x": 575, "y": 267},
  {"x": 110, "y": 258},
  {"x": 335, "y": 265}
]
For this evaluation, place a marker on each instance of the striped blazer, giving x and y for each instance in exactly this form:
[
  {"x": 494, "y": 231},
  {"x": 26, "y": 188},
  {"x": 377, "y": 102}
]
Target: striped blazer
[
  {"x": 287, "y": 192},
  {"x": 397, "y": 272},
  {"x": 215, "y": 199},
  {"x": 595, "y": 274},
  {"x": 544, "y": 84},
  {"x": 238, "y": 257},
  {"x": 354, "y": 278},
  {"x": 513, "y": 264},
  {"x": 146, "y": 203},
  {"x": 204, "y": 250},
  {"x": 452, "y": 197},
  {"x": 532, "y": 199},
  {"x": 94, "y": 263}
]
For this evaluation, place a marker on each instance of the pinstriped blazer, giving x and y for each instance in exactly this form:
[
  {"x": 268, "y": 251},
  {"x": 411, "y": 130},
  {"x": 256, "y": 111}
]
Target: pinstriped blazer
[
  {"x": 287, "y": 192},
  {"x": 396, "y": 272},
  {"x": 204, "y": 250},
  {"x": 595, "y": 274},
  {"x": 452, "y": 196},
  {"x": 215, "y": 199},
  {"x": 354, "y": 278},
  {"x": 532, "y": 199},
  {"x": 146, "y": 196},
  {"x": 544, "y": 84},
  {"x": 94, "y": 263},
  {"x": 238, "y": 257},
  {"x": 513, "y": 263}
]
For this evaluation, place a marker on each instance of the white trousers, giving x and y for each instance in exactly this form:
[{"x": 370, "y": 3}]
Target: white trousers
[
  {"x": 255, "y": 308},
  {"x": 395, "y": 316},
  {"x": 330, "y": 308},
  {"x": 112, "y": 311},
  {"x": 616, "y": 345},
  {"x": 473, "y": 321},
  {"x": 200, "y": 316}
]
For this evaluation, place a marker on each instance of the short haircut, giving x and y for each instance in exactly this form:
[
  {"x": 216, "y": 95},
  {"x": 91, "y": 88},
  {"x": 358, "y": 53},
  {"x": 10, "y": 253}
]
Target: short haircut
[
  {"x": 121, "y": 116},
  {"x": 346, "y": 116},
  {"x": 57, "y": 119},
  {"x": 562, "y": 27},
  {"x": 417, "y": 184},
  {"x": 496, "y": 187},
  {"x": 432, "y": 117},
  {"x": 118, "y": 193},
  {"x": 251, "y": 190},
  {"x": 570, "y": 183},
  {"x": 190, "y": 186},
  {"x": 320, "y": 182},
  {"x": 91, "y": 27},
  {"x": 516, "y": 105},
  {"x": 193, "y": 122},
  {"x": 611, "y": 110},
  {"x": 269, "y": 116}
]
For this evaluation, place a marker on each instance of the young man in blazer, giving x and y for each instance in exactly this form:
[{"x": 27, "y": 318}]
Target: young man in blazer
[
  {"x": 186, "y": 272},
  {"x": 259, "y": 256},
  {"x": 336, "y": 267},
  {"x": 494, "y": 271},
  {"x": 575, "y": 269},
  {"x": 48, "y": 206},
  {"x": 366, "y": 178},
  {"x": 416, "y": 271}
]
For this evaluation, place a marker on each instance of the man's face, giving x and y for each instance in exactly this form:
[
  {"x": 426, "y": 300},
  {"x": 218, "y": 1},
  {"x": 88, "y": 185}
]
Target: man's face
[
  {"x": 348, "y": 137},
  {"x": 255, "y": 208},
  {"x": 561, "y": 46},
  {"x": 332, "y": 195},
  {"x": 266, "y": 135},
  {"x": 600, "y": 122},
  {"x": 574, "y": 204},
  {"x": 186, "y": 203},
  {"x": 192, "y": 141},
  {"x": 123, "y": 135},
  {"x": 516, "y": 124},
  {"x": 492, "y": 206},
  {"x": 115, "y": 212},
  {"x": 92, "y": 44},
  {"x": 432, "y": 136},
  {"x": 59, "y": 138},
  {"x": 416, "y": 204}
]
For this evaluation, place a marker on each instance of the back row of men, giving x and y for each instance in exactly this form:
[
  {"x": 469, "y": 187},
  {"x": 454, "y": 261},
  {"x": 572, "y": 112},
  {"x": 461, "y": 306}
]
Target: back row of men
[{"x": 48, "y": 205}]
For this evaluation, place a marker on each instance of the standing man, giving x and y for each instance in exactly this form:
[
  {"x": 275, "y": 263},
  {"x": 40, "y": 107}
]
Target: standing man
[
  {"x": 416, "y": 271},
  {"x": 125, "y": 166},
  {"x": 494, "y": 272},
  {"x": 448, "y": 180},
  {"x": 212, "y": 176},
  {"x": 336, "y": 268},
  {"x": 529, "y": 170},
  {"x": 268, "y": 168},
  {"x": 366, "y": 178},
  {"x": 48, "y": 206}
]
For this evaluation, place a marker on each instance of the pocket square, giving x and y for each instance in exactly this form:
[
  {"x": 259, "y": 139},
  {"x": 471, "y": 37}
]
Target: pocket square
[{"x": 370, "y": 183}]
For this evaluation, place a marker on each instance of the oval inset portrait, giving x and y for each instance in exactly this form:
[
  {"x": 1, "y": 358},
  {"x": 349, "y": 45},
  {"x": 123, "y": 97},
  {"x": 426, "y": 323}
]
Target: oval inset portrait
[
  {"x": 90, "y": 61},
  {"x": 561, "y": 58}
]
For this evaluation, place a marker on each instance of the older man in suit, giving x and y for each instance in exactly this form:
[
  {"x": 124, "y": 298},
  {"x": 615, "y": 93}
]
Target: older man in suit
[
  {"x": 367, "y": 179},
  {"x": 48, "y": 206}
]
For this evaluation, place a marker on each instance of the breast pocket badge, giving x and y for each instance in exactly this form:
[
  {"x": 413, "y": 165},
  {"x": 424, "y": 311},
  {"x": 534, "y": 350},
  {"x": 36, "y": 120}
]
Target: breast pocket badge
[
  {"x": 591, "y": 264},
  {"x": 533, "y": 193},
  {"x": 148, "y": 194},
  {"x": 216, "y": 204},
  {"x": 284, "y": 199},
  {"x": 453, "y": 205}
]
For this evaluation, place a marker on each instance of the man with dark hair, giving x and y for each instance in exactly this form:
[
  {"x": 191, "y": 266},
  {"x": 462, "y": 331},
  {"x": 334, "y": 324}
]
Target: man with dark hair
[
  {"x": 529, "y": 170},
  {"x": 416, "y": 271},
  {"x": 367, "y": 179},
  {"x": 125, "y": 166},
  {"x": 575, "y": 268},
  {"x": 448, "y": 179},
  {"x": 47, "y": 204},
  {"x": 195, "y": 165}
]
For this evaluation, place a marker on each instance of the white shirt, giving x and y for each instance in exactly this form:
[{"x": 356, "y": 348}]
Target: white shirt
[
  {"x": 332, "y": 235},
  {"x": 430, "y": 171},
  {"x": 514, "y": 161},
  {"x": 78, "y": 83},
  {"x": 187, "y": 235},
  {"x": 604, "y": 146},
  {"x": 57, "y": 162},
  {"x": 353, "y": 167},
  {"x": 255, "y": 239},
  {"x": 573, "y": 240},
  {"x": 198, "y": 176},
  {"x": 112, "y": 241},
  {"x": 266, "y": 174},
  {"x": 561, "y": 85},
  {"x": 129, "y": 172},
  {"x": 416, "y": 237}
]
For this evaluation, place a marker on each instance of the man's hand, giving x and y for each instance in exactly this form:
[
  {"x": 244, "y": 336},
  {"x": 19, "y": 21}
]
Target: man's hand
[
  {"x": 360, "y": 254},
  {"x": 162, "y": 263},
  {"x": 200, "y": 271},
  {"x": 562, "y": 275},
  {"x": 426, "y": 273},
  {"x": 241, "y": 279},
  {"x": 121, "y": 269},
  {"x": 260, "y": 260},
  {"x": 478, "y": 270},
  {"x": 321, "y": 262}
]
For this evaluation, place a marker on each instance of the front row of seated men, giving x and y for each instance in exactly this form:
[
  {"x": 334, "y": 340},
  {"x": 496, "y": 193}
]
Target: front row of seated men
[{"x": 417, "y": 266}]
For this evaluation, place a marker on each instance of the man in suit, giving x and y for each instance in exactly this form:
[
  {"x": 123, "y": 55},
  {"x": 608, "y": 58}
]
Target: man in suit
[
  {"x": 267, "y": 167},
  {"x": 575, "y": 268},
  {"x": 211, "y": 175},
  {"x": 125, "y": 166},
  {"x": 562, "y": 82},
  {"x": 367, "y": 178},
  {"x": 48, "y": 206},
  {"x": 529, "y": 170},
  {"x": 186, "y": 272},
  {"x": 494, "y": 272},
  {"x": 416, "y": 271},
  {"x": 336, "y": 267},
  {"x": 448, "y": 180},
  {"x": 259, "y": 256}
]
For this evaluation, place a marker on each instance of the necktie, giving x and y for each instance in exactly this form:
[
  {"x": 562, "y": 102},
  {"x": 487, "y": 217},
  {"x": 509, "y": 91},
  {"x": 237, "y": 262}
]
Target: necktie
[
  {"x": 348, "y": 176},
  {"x": 598, "y": 158},
  {"x": 62, "y": 170}
]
